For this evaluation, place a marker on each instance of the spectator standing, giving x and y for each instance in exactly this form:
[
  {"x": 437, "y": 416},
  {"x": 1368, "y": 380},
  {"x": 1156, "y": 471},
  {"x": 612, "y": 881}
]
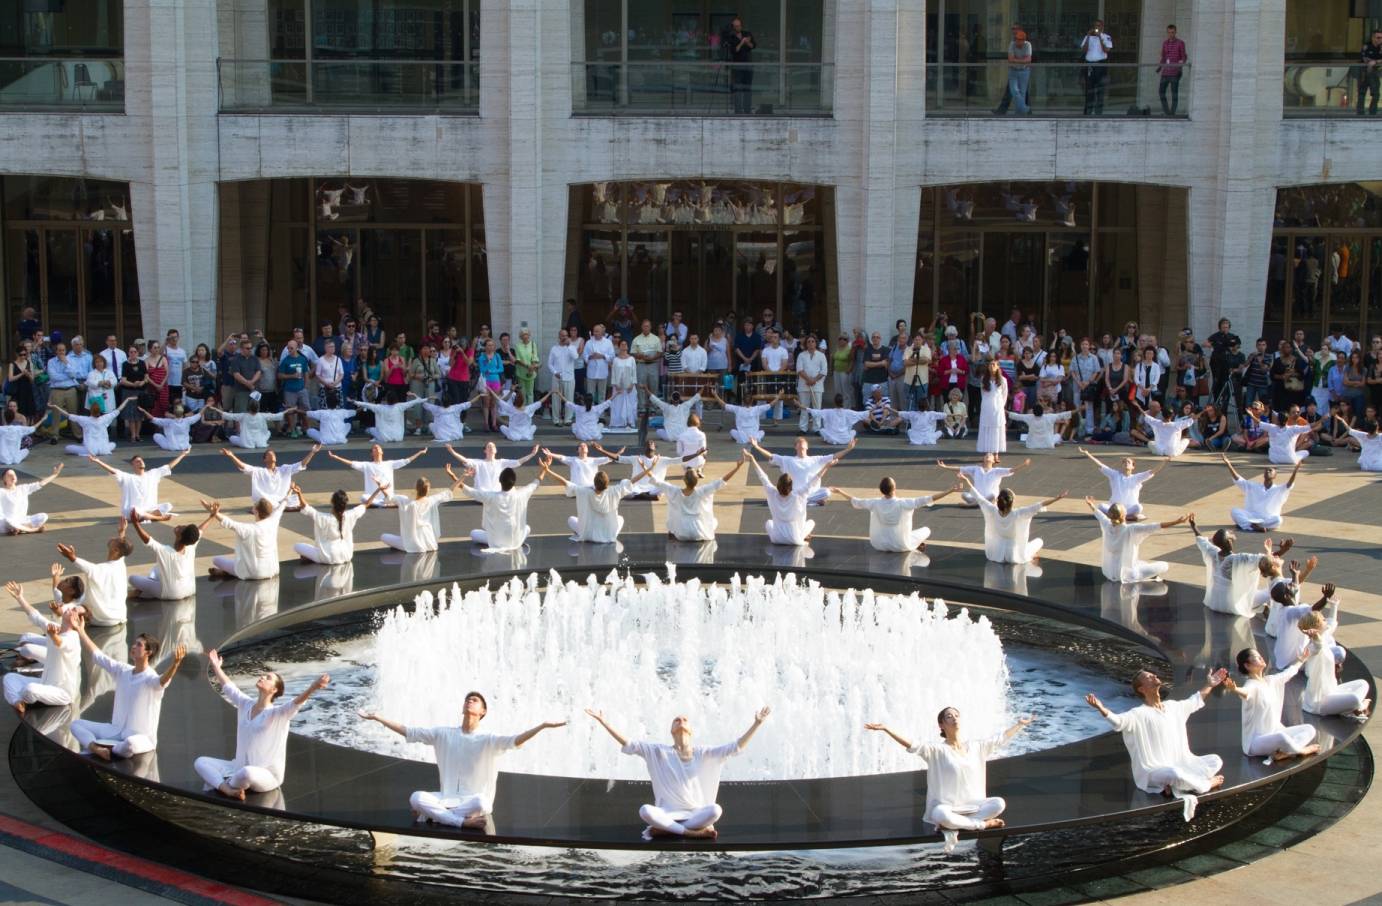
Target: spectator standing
[
  {"x": 647, "y": 352},
  {"x": 1370, "y": 73},
  {"x": 875, "y": 360},
  {"x": 1173, "y": 58},
  {"x": 134, "y": 382},
  {"x": 597, "y": 353},
  {"x": 62, "y": 388},
  {"x": 775, "y": 358},
  {"x": 717, "y": 350},
  {"x": 269, "y": 400},
  {"x": 1019, "y": 70},
  {"x": 158, "y": 376},
  {"x": 526, "y": 361},
  {"x": 1095, "y": 49},
  {"x": 811, "y": 374},
  {"x": 738, "y": 45},
  {"x": 842, "y": 362},
  {"x": 1257, "y": 378},
  {"x": 242, "y": 369},
  {"x": 916, "y": 376},
  {"x": 293, "y": 369},
  {"x": 561, "y": 363},
  {"x": 177, "y": 362}
]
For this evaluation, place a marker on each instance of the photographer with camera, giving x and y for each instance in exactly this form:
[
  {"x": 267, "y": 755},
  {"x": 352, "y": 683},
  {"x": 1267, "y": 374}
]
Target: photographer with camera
[
  {"x": 738, "y": 46},
  {"x": 1095, "y": 47}
]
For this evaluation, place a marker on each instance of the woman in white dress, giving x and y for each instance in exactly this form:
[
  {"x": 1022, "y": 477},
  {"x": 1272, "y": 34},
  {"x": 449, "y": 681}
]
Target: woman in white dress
[
  {"x": 1369, "y": 446},
  {"x": 1007, "y": 530},
  {"x": 957, "y": 776},
  {"x": 176, "y": 429},
  {"x": 100, "y": 384},
  {"x": 993, "y": 425},
  {"x": 1230, "y": 582},
  {"x": 520, "y": 425},
  {"x": 333, "y": 532},
  {"x": 1122, "y": 541},
  {"x": 95, "y": 429},
  {"x": 261, "y": 734},
  {"x": 691, "y": 508},
  {"x": 587, "y": 424},
  {"x": 623, "y": 376},
  {"x": 986, "y": 478},
  {"x": 787, "y": 507},
  {"x": 15, "y": 518},
  {"x": 252, "y": 427},
  {"x": 890, "y": 517},
  {"x": 1324, "y": 694},
  {"x": 1041, "y": 427},
  {"x": 1263, "y": 695}
]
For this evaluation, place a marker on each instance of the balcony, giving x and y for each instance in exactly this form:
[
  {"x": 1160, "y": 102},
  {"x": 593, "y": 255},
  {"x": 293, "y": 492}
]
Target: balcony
[
  {"x": 701, "y": 88},
  {"x": 1053, "y": 90},
  {"x": 1322, "y": 88},
  {"x": 62, "y": 84},
  {"x": 349, "y": 86}
]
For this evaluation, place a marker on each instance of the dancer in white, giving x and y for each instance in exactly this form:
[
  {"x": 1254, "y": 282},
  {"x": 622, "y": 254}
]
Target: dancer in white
[
  {"x": 486, "y": 470},
  {"x": 747, "y": 427},
  {"x": 1007, "y": 530},
  {"x": 419, "y": 518},
  {"x": 174, "y": 575},
  {"x": 692, "y": 444},
  {"x": 68, "y": 593},
  {"x": 1122, "y": 540},
  {"x": 1262, "y": 501},
  {"x": 837, "y": 423},
  {"x": 623, "y": 376},
  {"x": 107, "y": 583},
  {"x": 333, "y": 425},
  {"x": 1276, "y": 572},
  {"x": 1125, "y": 486},
  {"x": 691, "y": 508},
  {"x": 61, "y": 681},
  {"x": 446, "y": 425},
  {"x": 1041, "y": 427},
  {"x": 674, "y": 414},
  {"x": 504, "y": 519},
  {"x": 1169, "y": 436},
  {"x": 890, "y": 517},
  {"x": 261, "y": 734},
  {"x": 787, "y": 523},
  {"x": 1287, "y": 613},
  {"x": 1263, "y": 695},
  {"x": 256, "y": 543},
  {"x": 378, "y": 472},
  {"x": 650, "y": 462},
  {"x": 583, "y": 466},
  {"x": 252, "y": 427},
  {"x": 685, "y": 778},
  {"x": 1369, "y": 446},
  {"x": 95, "y": 429},
  {"x": 1324, "y": 694},
  {"x": 1158, "y": 745},
  {"x": 15, "y": 518},
  {"x": 520, "y": 427},
  {"x": 986, "y": 478},
  {"x": 597, "y": 519},
  {"x": 923, "y": 426},
  {"x": 957, "y": 796},
  {"x": 388, "y": 418},
  {"x": 12, "y": 451},
  {"x": 1230, "y": 578},
  {"x": 1281, "y": 440},
  {"x": 139, "y": 487},
  {"x": 176, "y": 434},
  {"x": 805, "y": 469},
  {"x": 993, "y": 426},
  {"x": 133, "y": 726},
  {"x": 467, "y": 762},
  {"x": 333, "y": 531},
  {"x": 271, "y": 481},
  {"x": 587, "y": 415}
]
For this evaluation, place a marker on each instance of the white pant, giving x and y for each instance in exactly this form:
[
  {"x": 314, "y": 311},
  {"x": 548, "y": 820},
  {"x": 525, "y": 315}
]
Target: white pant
[
  {"x": 171, "y": 446},
  {"x": 663, "y": 435},
  {"x": 480, "y": 536},
  {"x": 968, "y": 816},
  {"x": 393, "y": 541},
  {"x": 679, "y": 821},
  {"x": 972, "y": 499},
  {"x": 1345, "y": 699},
  {"x": 744, "y": 438},
  {"x": 451, "y": 810},
  {"x": 1292, "y": 739},
  {"x": 316, "y": 435},
  {"x": 30, "y": 691},
  {"x": 31, "y": 523},
  {"x": 88, "y": 731},
  {"x": 1146, "y": 571},
  {"x": 812, "y": 397},
  {"x": 561, "y": 412},
  {"x": 240, "y": 441},
  {"x": 1248, "y": 521},
  {"x": 163, "y": 509},
  {"x": 313, "y": 553},
  {"x": 1132, "y": 511},
  {"x": 34, "y": 646},
  {"x": 519, "y": 435},
  {"x": 379, "y": 436},
  {"x": 225, "y": 564},
  {"x": 783, "y": 534},
  {"x": 575, "y": 525},
  {"x": 216, "y": 771},
  {"x": 149, "y": 585},
  {"x": 1183, "y": 781}
]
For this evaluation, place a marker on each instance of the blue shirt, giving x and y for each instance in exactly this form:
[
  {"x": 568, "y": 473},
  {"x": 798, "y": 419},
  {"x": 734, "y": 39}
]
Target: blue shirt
[
  {"x": 491, "y": 367},
  {"x": 298, "y": 365},
  {"x": 60, "y": 375},
  {"x": 79, "y": 365}
]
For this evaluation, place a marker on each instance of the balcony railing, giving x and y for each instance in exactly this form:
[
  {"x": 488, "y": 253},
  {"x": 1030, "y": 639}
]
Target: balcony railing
[
  {"x": 1325, "y": 88},
  {"x": 368, "y": 86},
  {"x": 95, "y": 84},
  {"x": 1057, "y": 89},
  {"x": 702, "y": 88}
]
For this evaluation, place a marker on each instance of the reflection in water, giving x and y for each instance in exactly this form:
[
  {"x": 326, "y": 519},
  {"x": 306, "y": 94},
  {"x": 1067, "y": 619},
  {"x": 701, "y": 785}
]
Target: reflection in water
[
  {"x": 331, "y": 581},
  {"x": 1011, "y": 577}
]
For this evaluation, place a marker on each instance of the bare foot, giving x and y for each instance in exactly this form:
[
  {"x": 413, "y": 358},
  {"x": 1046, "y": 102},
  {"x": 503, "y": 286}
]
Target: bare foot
[
  {"x": 921, "y": 546},
  {"x": 217, "y": 573},
  {"x": 1366, "y": 709},
  {"x": 20, "y": 708},
  {"x": 22, "y": 661},
  {"x": 474, "y": 821},
  {"x": 994, "y": 824},
  {"x": 659, "y": 832},
  {"x": 1216, "y": 782},
  {"x": 302, "y": 559},
  {"x": 670, "y": 535},
  {"x": 1313, "y": 749},
  {"x": 703, "y": 833},
  {"x": 231, "y": 792},
  {"x": 161, "y": 517},
  {"x": 41, "y": 529},
  {"x": 101, "y": 752}
]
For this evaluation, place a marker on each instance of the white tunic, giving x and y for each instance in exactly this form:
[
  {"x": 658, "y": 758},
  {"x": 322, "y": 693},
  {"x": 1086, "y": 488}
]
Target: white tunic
[
  {"x": 805, "y": 471},
  {"x": 583, "y": 471},
  {"x": 1125, "y": 490},
  {"x": 468, "y": 763},
  {"x": 692, "y": 440},
  {"x": 1289, "y": 639},
  {"x": 176, "y": 431},
  {"x": 955, "y": 777},
  {"x": 271, "y": 484},
  {"x": 691, "y": 517},
  {"x": 140, "y": 492},
  {"x": 62, "y": 667},
  {"x": 138, "y": 697},
  {"x": 1281, "y": 443},
  {"x": 674, "y": 416},
  {"x": 256, "y": 545},
  {"x": 505, "y": 515},
  {"x": 333, "y": 425},
  {"x": 11, "y": 436},
  {"x": 261, "y": 740},
  {"x": 682, "y": 785},
  {"x": 1321, "y": 682},
  {"x": 657, "y": 472},
  {"x": 1229, "y": 581},
  {"x": 96, "y": 432},
  {"x": 1263, "y": 502},
  {"x": 987, "y": 482},
  {"x": 446, "y": 425},
  {"x": 1168, "y": 438},
  {"x": 597, "y": 512},
  {"x": 890, "y": 522},
  {"x": 1156, "y": 739},
  {"x": 378, "y": 474},
  {"x": 388, "y": 418},
  {"x": 487, "y": 471},
  {"x": 14, "y": 502},
  {"x": 587, "y": 425},
  {"x": 1262, "y": 704},
  {"x": 1121, "y": 545},
  {"x": 336, "y": 540},
  {"x": 253, "y": 428},
  {"x": 419, "y": 521},
  {"x": 789, "y": 524},
  {"x": 1041, "y": 430},
  {"x": 837, "y": 424},
  {"x": 993, "y": 427},
  {"x": 1007, "y": 538},
  {"x": 107, "y": 584},
  {"x": 747, "y": 420},
  {"x": 1370, "y": 459},
  {"x": 176, "y": 569},
  {"x": 921, "y": 427},
  {"x": 520, "y": 426}
]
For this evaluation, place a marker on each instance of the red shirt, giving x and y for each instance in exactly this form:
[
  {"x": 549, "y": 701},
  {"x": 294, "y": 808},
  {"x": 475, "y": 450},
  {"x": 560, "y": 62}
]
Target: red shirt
[{"x": 1172, "y": 56}]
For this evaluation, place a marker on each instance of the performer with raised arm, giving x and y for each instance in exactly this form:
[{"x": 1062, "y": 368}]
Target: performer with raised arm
[
  {"x": 333, "y": 425},
  {"x": 685, "y": 778},
  {"x": 1369, "y": 446},
  {"x": 890, "y": 516},
  {"x": 520, "y": 427},
  {"x": 256, "y": 543},
  {"x": 446, "y": 425},
  {"x": 837, "y": 422},
  {"x": 692, "y": 444},
  {"x": 261, "y": 734},
  {"x": 587, "y": 414},
  {"x": 957, "y": 796},
  {"x": 12, "y": 435},
  {"x": 253, "y": 425},
  {"x": 177, "y": 428},
  {"x": 139, "y": 487},
  {"x": 1125, "y": 486},
  {"x": 68, "y": 593},
  {"x": 388, "y": 425},
  {"x": 747, "y": 419},
  {"x": 1007, "y": 531},
  {"x": 378, "y": 472},
  {"x": 15, "y": 518},
  {"x": 1262, "y": 502},
  {"x": 419, "y": 517},
  {"x": 993, "y": 426},
  {"x": 1324, "y": 694},
  {"x": 488, "y": 467},
  {"x": 674, "y": 414},
  {"x": 1154, "y": 733},
  {"x": 923, "y": 426},
  {"x": 806, "y": 470},
  {"x": 787, "y": 506},
  {"x": 1168, "y": 432},
  {"x": 61, "y": 681},
  {"x": 1041, "y": 427},
  {"x": 1263, "y": 695},
  {"x": 583, "y": 466},
  {"x": 597, "y": 518},
  {"x": 504, "y": 520},
  {"x": 271, "y": 481},
  {"x": 1277, "y": 572},
  {"x": 649, "y": 462},
  {"x": 986, "y": 478},
  {"x": 107, "y": 583},
  {"x": 1281, "y": 440},
  {"x": 95, "y": 429},
  {"x": 1290, "y": 638},
  {"x": 133, "y": 726},
  {"x": 691, "y": 508},
  {"x": 467, "y": 762},
  {"x": 174, "y": 575},
  {"x": 333, "y": 532},
  {"x": 1122, "y": 541},
  {"x": 1230, "y": 578}
]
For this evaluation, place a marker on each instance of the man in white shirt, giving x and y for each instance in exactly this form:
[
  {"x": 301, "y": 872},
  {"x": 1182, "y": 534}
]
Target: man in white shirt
[
  {"x": 692, "y": 444},
  {"x": 107, "y": 583},
  {"x": 676, "y": 328},
  {"x": 804, "y": 468},
  {"x": 598, "y": 352},
  {"x": 177, "y": 360},
  {"x": 115, "y": 356},
  {"x": 674, "y": 414},
  {"x": 1262, "y": 502},
  {"x": 133, "y": 726},
  {"x": 774, "y": 357},
  {"x": 694, "y": 356},
  {"x": 561, "y": 363},
  {"x": 174, "y": 575},
  {"x": 271, "y": 481},
  {"x": 1338, "y": 342},
  {"x": 1095, "y": 49},
  {"x": 811, "y": 370},
  {"x": 302, "y": 346},
  {"x": 890, "y": 517},
  {"x": 646, "y": 350},
  {"x": 504, "y": 521}
]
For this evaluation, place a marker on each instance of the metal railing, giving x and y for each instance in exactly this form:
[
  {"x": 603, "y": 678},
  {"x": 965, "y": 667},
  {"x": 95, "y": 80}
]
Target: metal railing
[
  {"x": 702, "y": 88},
  {"x": 1058, "y": 89},
  {"x": 95, "y": 84},
  {"x": 378, "y": 86},
  {"x": 1329, "y": 88}
]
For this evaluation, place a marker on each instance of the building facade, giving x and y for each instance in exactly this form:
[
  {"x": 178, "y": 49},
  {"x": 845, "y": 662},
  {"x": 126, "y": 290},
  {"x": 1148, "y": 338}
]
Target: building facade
[{"x": 217, "y": 165}]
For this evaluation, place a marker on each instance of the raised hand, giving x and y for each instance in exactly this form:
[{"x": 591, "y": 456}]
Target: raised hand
[
  {"x": 598, "y": 715},
  {"x": 14, "y": 590},
  {"x": 1327, "y": 589},
  {"x": 1217, "y": 677},
  {"x": 179, "y": 653},
  {"x": 213, "y": 657},
  {"x": 881, "y": 727},
  {"x": 1093, "y": 701},
  {"x": 762, "y": 714},
  {"x": 321, "y": 682}
]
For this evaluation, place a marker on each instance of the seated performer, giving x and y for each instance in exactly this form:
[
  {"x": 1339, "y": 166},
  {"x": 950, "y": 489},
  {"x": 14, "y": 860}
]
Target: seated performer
[
  {"x": 177, "y": 428},
  {"x": 467, "y": 761},
  {"x": 1168, "y": 432},
  {"x": 747, "y": 419},
  {"x": 139, "y": 487},
  {"x": 1277, "y": 572},
  {"x": 377, "y": 471},
  {"x": 174, "y": 575},
  {"x": 261, "y": 734},
  {"x": 787, "y": 523},
  {"x": 692, "y": 444},
  {"x": 333, "y": 425},
  {"x": 1263, "y": 696},
  {"x": 685, "y": 778},
  {"x": 674, "y": 414},
  {"x": 986, "y": 478},
  {"x": 15, "y": 518},
  {"x": 1125, "y": 486},
  {"x": 1369, "y": 446},
  {"x": 256, "y": 543},
  {"x": 806, "y": 470},
  {"x": 520, "y": 427},
  {"x": 333, "y": 532},
  {"x": 446, "y": 425},
  {"x": 107, "y": 583},
  {"x": 487, "y": 469},
  {"x": 957, "y": 776},
  {"x": 597, "y": 518},
  {"x": 1281, "y": 441},
  {"x": 95, "y": 429},
  {"x": 253, "y": 431},
  {"x": 837, "y": 422},
  {"x": 1122, "y": 541},
  {"x": 691, "y": 508},
  {"x": 583, "y": 466},
  {"x": 13, "y": 434},
  {"x": 587, "y": 413},
  {"x": 1287, "y": 613},
  {"x": 388, "y": 418},
  {"x": 650, "y": 463},
  {"x": 1324, "y": 694},
  {"x": 1262, "y": 503},
  {"x": 923, "y": 426},
  {"x": 1007, "y": 531},
  {"x": 61, "y": 681},
  {"x": 1230, "y": 578},
  {"x": 133, "y": 726},
  {"x": 1041, "y": 427},
  {"x": 890, "y": 517},
  {"x": 271, "y": 481},
  {"x": 504, "y": 520},
  {"x": 419, "y": 518},
  {"x": 1158, "y": 745}
]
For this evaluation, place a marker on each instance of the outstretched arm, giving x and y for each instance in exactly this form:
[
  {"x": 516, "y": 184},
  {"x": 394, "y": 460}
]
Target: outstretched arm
[
  {"x": 139, "y": 526},
  {"x": 1231, "y": 469},
  {"x": 941, "y": 464},
  {"x": 1091, "y": 457},
  {"x": 883, "y": 728},
  {"x": 234, "y": 459},
  {"x": 1183, "y": 518},
  {"x": 744, "y": 457},
  {"x": 379, "y": 719},
  {"x": 531, "y": 454},
  {"x": 1161, "y": 465},
  {"x": 600, "y": 718},
  {"x": 758, "y": 719},
  {"x": 166, "y": 676},
  {"x": 1022, "y": 724},
  {"x": 545, "y": 470},
  {"x": 529, "y": 734},
  {"x": 306, "y": 460},
  {"x": 853, "y": 441},
  {"x": 843, "y": 493},
  {"x": 340, "y": 459},
  {"x": 1214, "y": 679},
  {"x": 1291, "y": 482},
  {"x": 1059, "y": 497},
  {"x": 92, "y": 458},
  {"x": 1026, "y": 463},
  {"x": 177, "y": 459},
  {"x": 319, "y": 683}
]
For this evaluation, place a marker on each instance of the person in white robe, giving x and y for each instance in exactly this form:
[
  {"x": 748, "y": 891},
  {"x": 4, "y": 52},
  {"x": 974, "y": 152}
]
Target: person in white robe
[
  {"x": 486, "y": 469},
  {"x": 1008, "y": 529},
  {"x": 467, "y": 764},
  {"x": 685, "y": 777},
  {"x": 805, "y": 469},
  {"x": 271, "y": 481},
  {"x": 1263, "y": 696},
  {"x": 107, "y": 583},
  {"x": 377, "y": 471},
  {"x": 597, "y": 519},
  {"x": 95, "y": 429},
  {"x": 992, "y": 436},
  {"x": 1278, "y": 572},
  {"x": 520, "y": 427},
  {"x": 1169, "y": 437},
  {"x": 649, "y": 461},
  {"x": 1262, "y": 501},
  {"x": 15, "y": 518},
  {"x": 1281, "y": 441},
  {"x": 68, "y": 593},
  {"x": 139, "y": 487},
  {"x": 256, "y": 542},
  {"x": 674, "y": 414},
  {"x": 446, "y": 425},
  {"x": 1287, "y": 611},
  {"x": 388, "y": 425},
  {"x": 133, "y": 725},
  {"x": 1122, "y": 541},
  {"x": 1369, "y": 447},
  {"x": 986, "y": 478},
  {"x": 957, "y": 796},
  {"x": 587, "y": 414},
  {"x": 261, "y": 734},
  {"x": 252, "y": 427},
  {"x": 12, "y": 451},
  {"x": 1158, "y": 745},
  {"x": 837, "y": 423},
  {"x": 692, "y": 444},
  {"x": 691, "y": 507},
  {"x": 1125, "y": 484},
  {"x": 333, "y": 530},
  {"x": 623, "y": 376},
  {"x": 787, "y": 522},
  {"x": 747, "y": 419},
  {"x": 1041, "y": 427},
  {"x": 923, "y": 426},
  {"x": 1324, "y": 694},
  {"x": 582, "y": 466},
  {"x": 175, "y": 435},
  {"x": 174, "y": 575},
  {"x": 333, "y": 425},
  {"x": 61, "y": 680},
  {"x": 504, "y": 517},
  {"x": 890, "y": 516},
  {"x": 419, "y": 517},
  {"x": 1230, "y": 577}
]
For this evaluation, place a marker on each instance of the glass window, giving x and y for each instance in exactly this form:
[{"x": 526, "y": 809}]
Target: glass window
[
  {"x": 1309, "y": 264},
  {"x": 46, "y": 28},
  {"x": 446, "y": 260},
  {"x": 1344, "y": 270},
  {"x": 289, "y": 277},
  {"x": 287, "y": 29},
  {"x": 647, "y": 290},
  {"x": 1014, "y": 271},
  {"x": 1351, "y": 205},
  {"x": 959, "y": 275},
  {"x": 1279, "y": 269},
  {"x": 1375, "y": 287},
  {"x": 64, "y": 295},
  {"x": 391, "y": 278},
  {"x": 803, "y": 284},
  {"x": 923, "y": 289},
  {"x": 479, "y": 276},
  {"x": 389, "y": 29},
  {"x": 99, "y": 272},
  {"x": 756, "y": 272},
  {"x": 23, "y": 283},
  {"x": 132, "y": 321},
  {"x": 62, "y": 198},
  {"x": 599, "y": 277},
  {"x": 1067, "y": 285},
  {"x": 1116, "y": 294}
]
